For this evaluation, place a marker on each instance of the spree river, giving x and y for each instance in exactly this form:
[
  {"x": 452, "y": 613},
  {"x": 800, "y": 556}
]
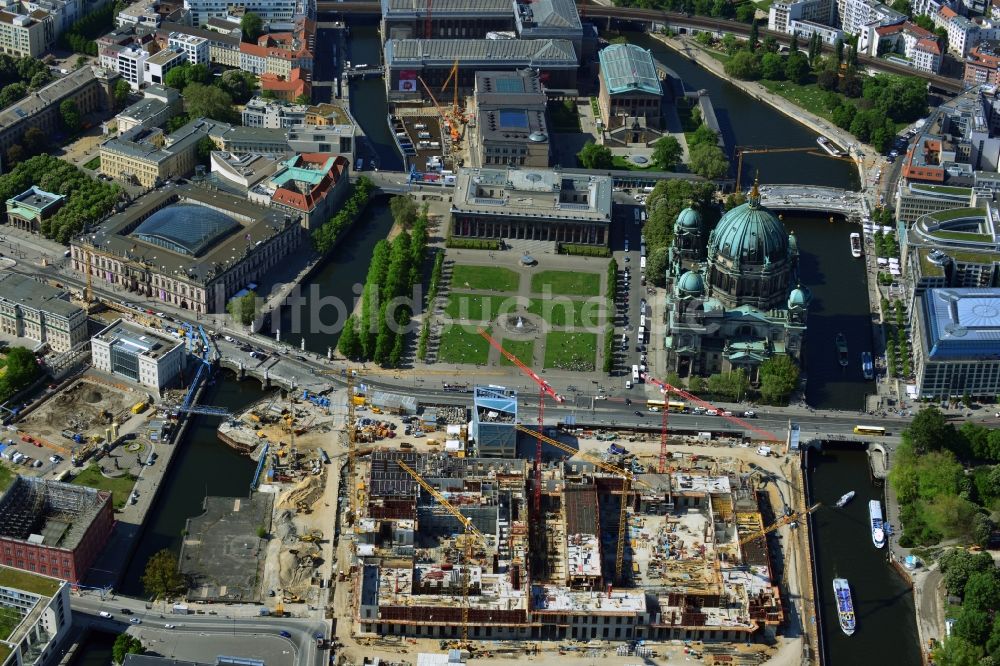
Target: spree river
[{"x": 886, "y": 622}]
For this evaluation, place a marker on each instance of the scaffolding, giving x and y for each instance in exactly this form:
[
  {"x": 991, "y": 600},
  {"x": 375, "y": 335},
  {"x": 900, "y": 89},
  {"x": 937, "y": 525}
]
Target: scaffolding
[{"x": 60, "y": 513}]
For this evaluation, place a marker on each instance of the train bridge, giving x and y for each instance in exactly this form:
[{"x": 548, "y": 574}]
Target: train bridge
[{"x": 681, "y": 23}]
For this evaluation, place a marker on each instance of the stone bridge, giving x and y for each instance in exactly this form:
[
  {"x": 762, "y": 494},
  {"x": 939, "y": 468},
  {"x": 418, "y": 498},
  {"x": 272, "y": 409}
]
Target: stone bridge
[{"x": 814, "y": 198}]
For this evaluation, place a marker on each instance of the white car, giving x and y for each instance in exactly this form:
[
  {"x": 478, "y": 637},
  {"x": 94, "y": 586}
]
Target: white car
[
  {"x": 228, "y": 338},
  {"x": 55, "y": 459},
  {"x": 169, "y": 626},
  {"x": 105, "y": 614},
  {"x": 135, "y": 620}
]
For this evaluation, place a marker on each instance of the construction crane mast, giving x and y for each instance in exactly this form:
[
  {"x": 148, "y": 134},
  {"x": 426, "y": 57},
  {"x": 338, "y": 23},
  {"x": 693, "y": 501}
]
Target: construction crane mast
[
  {"x": 543, "y": 389},
  {"x": 762, "y": 434},
  {"x": 453, "y": 78},
  {"x": 455, "y": 135},
  {"x": 471, "y": 534},
  {"x": 628, "y": 480},
  {"x": 780, "y": 522}
]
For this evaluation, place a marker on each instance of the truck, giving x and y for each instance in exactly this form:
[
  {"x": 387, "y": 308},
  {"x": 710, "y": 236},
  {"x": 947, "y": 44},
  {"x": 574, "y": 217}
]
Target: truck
[
  {"x": 180, "y": 609},
  {"x": 139, "y": 407}
]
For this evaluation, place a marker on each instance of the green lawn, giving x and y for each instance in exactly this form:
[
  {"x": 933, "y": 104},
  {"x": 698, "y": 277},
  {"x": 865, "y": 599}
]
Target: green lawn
[
  {"x": 6, "y": 477},
  {"x": 570, "y": 283},
  {"x": 25, "y": 580},
  {"x": 489, "y": 278},
  {"x": 565, "y": 312},
  {"x": 120, "y": 487},
  {"x": 619, "y": 162},
  {"x": 461, "y": 344},
  {"x": 522, "y": 349},
  {"x": 808, "y": 96},
  {"x": 474, "y": 307},
  {"x": 93, "y": 164},
  {"x": 9, "y": 619},
  {"x": 570, "y": 350}
]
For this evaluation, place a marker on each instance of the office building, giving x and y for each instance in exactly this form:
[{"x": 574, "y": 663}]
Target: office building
[
  {"x": 277, "y": 12},
  {"x": 26, "y": 35},
  {"x": 27, "y": 210},
  {"x": 157, "y": 65},
  {"x": 510, "y": 127},
  {"x": 158, "y": 105},
  {"x": 223, "y": 45},
  {"x": 630, "y": 91},
  {"x": 782, "y": 14},
  {"x": 53, "y": 528},
  {"x": 494, "y": 421},
  {"x": 33, "y": 310},
  {"x": 147, "y": 156},
  {"x": 131, "y": 64},
  {"x": 187, "y": 246},
  {"x": 261, "y": 112},
  {"x": 956, "y": 247},
  {"x": 41, "y": 608},
  {"x": 194, "y": 49},
  {"x": 531, "y": 204},
  {"x": 137, "y": 354},
  {"x": 955, "y": 333}
]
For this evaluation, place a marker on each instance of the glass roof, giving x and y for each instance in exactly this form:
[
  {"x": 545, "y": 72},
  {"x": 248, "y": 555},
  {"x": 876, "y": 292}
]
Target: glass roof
[{"x": 185, "y": 228}]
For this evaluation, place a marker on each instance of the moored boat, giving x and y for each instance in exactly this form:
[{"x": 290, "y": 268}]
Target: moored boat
[
  {"x": 828, "y": 146},
  {"x": 842, "y": 349},
  {"x": 856, "y": 245},
  {"x": 878, "y": 528},
  {"x": 844, "y": 499},
  {"x": 845, "y": 605},
  {"x": 867, "y": 366}
]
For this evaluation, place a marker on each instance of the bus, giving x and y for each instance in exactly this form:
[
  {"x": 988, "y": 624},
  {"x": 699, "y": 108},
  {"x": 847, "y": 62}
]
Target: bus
[
  {"x": 869, "y": 430},
  {"x": 673, "y": 406},
  {"x": 635, "y": 374}
]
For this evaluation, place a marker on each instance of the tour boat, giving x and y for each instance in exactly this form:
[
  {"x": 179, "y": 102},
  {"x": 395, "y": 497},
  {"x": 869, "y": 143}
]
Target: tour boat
[
  {"x": 845, "y": 605},
  {"x": 867, "y": 367},
  {"x": 856, "y": 245},
  {"x": 826, "y": 145},
  {"x": 878, "y": 528},
  {"x": 844, "y": 499},
  {"x": 842, "y": 349}
]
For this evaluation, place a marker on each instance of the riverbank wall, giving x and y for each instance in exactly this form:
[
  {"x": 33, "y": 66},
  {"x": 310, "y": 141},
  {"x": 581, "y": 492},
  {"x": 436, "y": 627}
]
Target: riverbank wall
[
  {"x": 689, "y": 49},
  {"x": 815, "y": 637}
]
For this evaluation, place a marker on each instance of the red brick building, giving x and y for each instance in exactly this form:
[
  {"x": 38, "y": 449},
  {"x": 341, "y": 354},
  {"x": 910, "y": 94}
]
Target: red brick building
[{"x": 52, "y": 528}]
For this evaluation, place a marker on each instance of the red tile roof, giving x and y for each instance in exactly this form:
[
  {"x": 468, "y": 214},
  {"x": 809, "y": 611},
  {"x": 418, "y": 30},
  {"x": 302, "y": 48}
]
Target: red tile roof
[{"x": 929, "y": 45}]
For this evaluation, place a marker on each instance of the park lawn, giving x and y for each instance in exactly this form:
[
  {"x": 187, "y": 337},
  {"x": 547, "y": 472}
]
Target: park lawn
[
  {"x": 93, "y": 164},
  {"x": 569, "y": 313},
  {"x": 489, "y": 278},
  {"x": 522, "y": 349},
  {"x": 475, "y": 307},
  {"x": 569, "y": 283},
  {"x": 6, "y": 477},
  {"x": 120, "y": 487},
  {"x": 807, "y": 96},
  {"x": 567, "y": 350},
  {"x": 461, "y": 344}
]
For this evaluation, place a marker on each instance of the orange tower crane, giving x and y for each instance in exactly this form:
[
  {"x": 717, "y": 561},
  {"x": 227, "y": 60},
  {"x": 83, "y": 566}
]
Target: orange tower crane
[
  {"x": 455, "y": 136},
  {"x": 543, "y": 389}
]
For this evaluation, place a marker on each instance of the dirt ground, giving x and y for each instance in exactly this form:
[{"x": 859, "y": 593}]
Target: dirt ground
[{"x": 85, "y": 406}]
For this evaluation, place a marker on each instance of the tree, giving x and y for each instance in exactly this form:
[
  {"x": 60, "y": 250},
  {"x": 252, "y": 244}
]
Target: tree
[
  {"x": 35, "y": 140},
  {"x": 744, "y": 65},
  {"x": 958, "y": 565},
  {"x": 797, "y": 67},
  {"x": 972, "y": 625},
  {"x": 126, "y": 644},
  {"x": 815, "y": 48},
  {"x": 957, "y": 651},
  {"x": 667, "y": 152},
  {"x": 70, "y": 116},
  {"x": 239, "y": 85},
  {"x": 244, "y": 308},
  {"x": 779, "y": 376},
  {"x": 772, "y": 67},
  {"x": 161, "y": 578},
  {"x": 404, "y": 210},
  {"x": 696, "y": 384},
  {"x": 177, "y": 122},
  {"x": 703, "y": 135},
  {"x": 982, "y": 592},
  {"x": 121, "y": 93},
  {"x": 656, "y": 266},
  {"x": 303, "y": 99},
  {"x": 15, "y": 154},
  {"x": 928, "y": 431},
  {"x": 754, "y": 41},
  {"x": 843, "y": 115},
  {"x": 203, "y": 149},
  {"x": 730, "y": 44},
  {"x": 252, "y": 27},
  {"x": 177, "y": 77},
  {"x": 208, "y": 102},
  {"x": 838, "y": 47},
  {"x": 901, "y": 6},
  {"x": 349, "y": 343},
  {"x": 12, "y": 93},
  {"x": 708, "y": 161},
  {"x": 593, "y": 156},
  {"x": 827, "y": 79}
]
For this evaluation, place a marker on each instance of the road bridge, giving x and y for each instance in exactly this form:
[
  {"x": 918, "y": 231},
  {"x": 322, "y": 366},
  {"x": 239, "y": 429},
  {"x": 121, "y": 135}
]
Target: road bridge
[
  {"x": 682, "y": 22},
  {"x": 363, "y": 73},
  {"x": 814, "y": 198}
]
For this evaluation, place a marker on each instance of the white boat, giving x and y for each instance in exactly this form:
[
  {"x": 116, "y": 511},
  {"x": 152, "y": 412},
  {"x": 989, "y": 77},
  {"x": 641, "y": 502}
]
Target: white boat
[
  {"x": 845, "y": 605},
  {"x": 826, "y": 145},
  {"x": 878, "y": 529},
  {"x": 856, "y": 245},
  {"x": 844, "y": 499}
]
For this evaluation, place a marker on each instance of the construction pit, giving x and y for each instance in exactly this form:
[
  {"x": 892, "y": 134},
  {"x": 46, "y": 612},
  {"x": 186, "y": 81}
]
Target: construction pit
[{"x": 86, "y": 408}]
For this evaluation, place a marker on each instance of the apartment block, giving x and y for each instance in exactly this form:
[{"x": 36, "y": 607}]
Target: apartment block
[
  {"x": 781, "y": 14},
  {"x": 194, "y": 49},
  {"x": 132, "y": 65},
  {"x": 26, "y": 35},
  {"x": 41, "y": 607}
]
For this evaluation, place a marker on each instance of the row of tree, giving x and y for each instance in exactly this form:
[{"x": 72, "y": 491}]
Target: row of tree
[
  {"x": 379, "y": 334},
  {"x": 432, "y": 292},
  {"x": 609, "y": 327},
  {"x": 728, "y": 9},
  {"x": 87, "y": 200},
  {"x": 82, "y": 34},
  {"x": 325, "y": 237},
  {"x": 975, "y": 636}
]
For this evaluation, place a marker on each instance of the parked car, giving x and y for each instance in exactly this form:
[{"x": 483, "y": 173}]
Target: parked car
[{"x": 284, "y": 634}]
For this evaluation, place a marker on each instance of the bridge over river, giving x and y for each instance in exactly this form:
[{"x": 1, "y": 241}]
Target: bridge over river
[{"x": 815, "y": 198}]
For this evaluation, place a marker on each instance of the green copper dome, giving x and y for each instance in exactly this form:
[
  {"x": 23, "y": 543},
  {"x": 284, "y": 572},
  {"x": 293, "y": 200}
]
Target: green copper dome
[
  {"x": 691, "y": 284},
  {"x": 749, "y": 235},
  {"x": 799, "y": 297},
  {"x": 689, "y": 218}
]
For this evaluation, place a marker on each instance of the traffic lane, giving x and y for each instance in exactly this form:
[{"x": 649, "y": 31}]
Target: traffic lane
[{"x": 204, "y": 649}]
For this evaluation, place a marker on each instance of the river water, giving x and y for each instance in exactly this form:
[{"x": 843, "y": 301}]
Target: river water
[{"x": 886, "y": 623}]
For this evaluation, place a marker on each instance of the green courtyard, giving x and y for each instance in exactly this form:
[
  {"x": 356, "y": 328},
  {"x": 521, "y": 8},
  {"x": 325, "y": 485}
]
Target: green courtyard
[
  {"x": 462, "y": 344},
  {"x": 488, "y": 278},
  {"x": 567, "y": 283},
  {"x": 566, "y": 350},
  {"x": 120, "y": 487}
]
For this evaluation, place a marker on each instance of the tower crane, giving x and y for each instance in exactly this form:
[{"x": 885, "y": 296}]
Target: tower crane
[
  {"x": 740, "y": 151},
  {"x": 762, "y": 434},
  {"x": 780, "y": 522},
  {"x": 471, "y": 534},
  {"x": 628, "y": 479},
  {"x": 453, "y": 74},
  {"x": 543, "y": 389}
]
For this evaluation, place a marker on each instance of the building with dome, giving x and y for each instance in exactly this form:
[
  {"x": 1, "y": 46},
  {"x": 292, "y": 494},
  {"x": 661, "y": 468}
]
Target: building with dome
[
  {"x": 187, "y": 246},
  {"x": 734, "y": 299},
  {"x": 510, "y": 128}
]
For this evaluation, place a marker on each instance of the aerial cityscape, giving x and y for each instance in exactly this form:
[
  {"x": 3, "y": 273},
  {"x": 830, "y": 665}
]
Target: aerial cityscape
[{"x": 436, "y": 332}]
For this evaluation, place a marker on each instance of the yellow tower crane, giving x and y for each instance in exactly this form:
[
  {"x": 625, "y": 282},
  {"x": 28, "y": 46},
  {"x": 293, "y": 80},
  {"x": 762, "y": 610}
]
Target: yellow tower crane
[
  {"x": 780, "y": 522},
  {"x": 471, "y": 534},
  {"x": 628, "y": 480}
]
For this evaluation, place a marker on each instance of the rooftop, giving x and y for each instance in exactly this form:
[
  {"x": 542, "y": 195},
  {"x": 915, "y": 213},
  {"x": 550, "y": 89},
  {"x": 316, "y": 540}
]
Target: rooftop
[
  {"x": 552, "y": 598},
  {"x": 628, "y": 68},
  {"x": 50, "y": 513},
  {"x": 962, "y": 324},
  {"x": 43, "y": 586},
  {"x": 535, "y": 193},
  {"x": 185, "y": 228},
  {"x": 36, "y": 199},
  {"x": 547, "y": 15},
  {"x": 163, "y": 57},
  {"x": 17, "y": 288},
  {"x": 448, "y": 8},
  {"x": 137, "y": 340},
  {"x": 444, "y": 52},
  {"x": 50, "y": 94},
  {"x": 211, "y": 35}
]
